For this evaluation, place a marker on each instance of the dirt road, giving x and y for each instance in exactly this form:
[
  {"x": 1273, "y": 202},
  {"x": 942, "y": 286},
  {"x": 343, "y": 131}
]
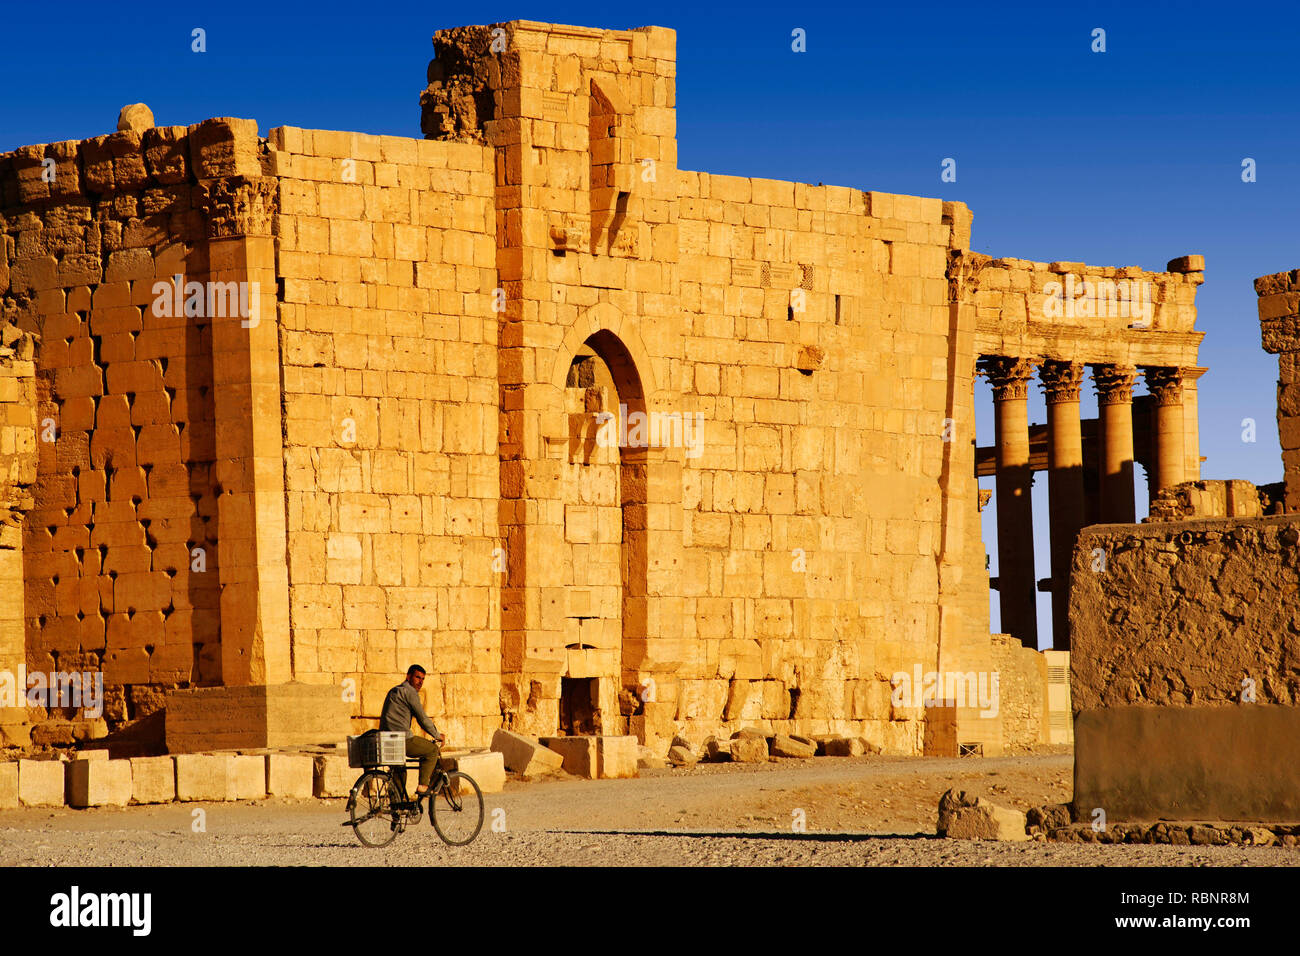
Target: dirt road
[{"x": 854, "y": 811}]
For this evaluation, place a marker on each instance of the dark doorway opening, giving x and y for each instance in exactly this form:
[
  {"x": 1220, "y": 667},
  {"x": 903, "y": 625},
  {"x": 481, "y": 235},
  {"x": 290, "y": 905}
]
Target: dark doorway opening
[{"x": 579, "y": 714}]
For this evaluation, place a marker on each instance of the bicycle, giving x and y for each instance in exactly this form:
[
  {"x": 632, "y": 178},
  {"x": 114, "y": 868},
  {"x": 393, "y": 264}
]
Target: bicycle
[{"x": 379, "y": 810}]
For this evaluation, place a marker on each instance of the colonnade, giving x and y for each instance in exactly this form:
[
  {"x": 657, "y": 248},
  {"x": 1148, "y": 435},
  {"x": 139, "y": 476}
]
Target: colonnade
[{"x": 1062, "y": 381}]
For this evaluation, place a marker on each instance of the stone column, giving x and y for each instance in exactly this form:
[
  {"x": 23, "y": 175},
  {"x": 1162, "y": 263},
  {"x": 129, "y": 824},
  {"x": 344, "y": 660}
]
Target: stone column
[
  {"x": 1061, "y": 382},
  {"x": 1279, "y": 326},
  {"x": 1115, "y": 419},
  {"x": 1167, "y": 439},
  {"x": 1016, "y": 582}
]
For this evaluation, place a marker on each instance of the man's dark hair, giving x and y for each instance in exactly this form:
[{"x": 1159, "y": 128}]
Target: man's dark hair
[{"x": 414, "y": 669}]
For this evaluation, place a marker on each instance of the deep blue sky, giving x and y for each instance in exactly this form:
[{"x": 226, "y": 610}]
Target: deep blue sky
[{"x": 1128, "y": 157}]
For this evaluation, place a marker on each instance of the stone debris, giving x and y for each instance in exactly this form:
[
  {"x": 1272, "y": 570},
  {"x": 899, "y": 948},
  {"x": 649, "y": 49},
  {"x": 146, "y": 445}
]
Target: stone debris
[
  {"x": 965, "y": 817},
  {"x": 748, "y": 748},
  {"x": 135, "y": 116},
  {"x": 526, "y": 755},
  {"x": 680, "y": 756},
  {"x": 786, "y": 746}
]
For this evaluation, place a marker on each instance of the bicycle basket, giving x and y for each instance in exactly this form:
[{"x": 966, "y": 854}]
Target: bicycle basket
[{"x": 376, "y": 748}]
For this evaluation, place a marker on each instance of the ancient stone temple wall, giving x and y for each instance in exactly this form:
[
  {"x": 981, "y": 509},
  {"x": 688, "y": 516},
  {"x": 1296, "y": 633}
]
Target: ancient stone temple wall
[{"x": 603, "y": 443}]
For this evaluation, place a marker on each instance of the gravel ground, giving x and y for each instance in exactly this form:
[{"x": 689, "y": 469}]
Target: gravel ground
[{"x": 871, "y": 810}]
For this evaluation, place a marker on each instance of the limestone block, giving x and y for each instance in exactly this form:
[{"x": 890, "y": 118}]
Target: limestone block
[
  {"x": 153, "y": 779},
  {"x": 525, "y": 755},
  {"x": 579, "y": 754},
  {"x": 40, "y": 783},
  {"x": 717, "y": 750},
  {"x": 783, "y": 746},
  {"x": 332, "y": 776},
  {"x": 8, "y": 784},
  {"x": 487, "y": 767},
  {"x": 749, "y": 749},
  {"x": 963, "y": 817},
  {"x": 289, "y": 775},
  {"x": 681, "y": 756},
  {"x": 99, "y": 783},
  {"x": 616, "y": 757},
  {"x": 248, "y": 777},
  {"x": 846, "y": 747},
  {"x": 205, "y": 777}
]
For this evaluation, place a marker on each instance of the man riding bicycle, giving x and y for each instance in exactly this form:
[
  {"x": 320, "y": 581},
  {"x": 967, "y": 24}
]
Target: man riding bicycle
[{"x": 400, "y": 706}]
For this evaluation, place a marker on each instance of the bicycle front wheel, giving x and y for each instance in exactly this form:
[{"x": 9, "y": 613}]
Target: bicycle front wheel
[
  {"x": 376, "y": 812},
  {"x": 457, "y": 810}
]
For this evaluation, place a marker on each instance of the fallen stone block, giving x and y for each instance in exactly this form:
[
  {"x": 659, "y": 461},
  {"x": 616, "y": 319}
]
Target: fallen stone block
[
  {"x": 332, "y": 777},
  {"x": 647, "y": 759},
  {"x": 41, "y": 783},
  {"x": 289, "y": 775},
  {"x": 718, "y": 751},
  {"x": 525, "y": 755},
  {"x": 205, "y": 777},
  {"x": 487, "y": 767},
  {"x": 749, "y": 732},
  {"x": 616, "y": 757},
  {"x": 846, "y": 747},
  {"x": 964, "y": 818},
  {"x": 153, "y": 779},
  {"x": 681, "y": 756},
  {"x": 783, "y": 746},
  {"x": 248, "y": 775},
  {"x": 579, "y": 754},
  {"x": 8, "y": 785},
  {"x": 748, "y": 749},
  {"x": 99, "y": 783}
]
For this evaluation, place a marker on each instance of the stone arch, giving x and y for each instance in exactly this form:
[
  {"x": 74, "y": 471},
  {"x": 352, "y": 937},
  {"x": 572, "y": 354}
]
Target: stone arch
[{"x": 623, "y": 343}]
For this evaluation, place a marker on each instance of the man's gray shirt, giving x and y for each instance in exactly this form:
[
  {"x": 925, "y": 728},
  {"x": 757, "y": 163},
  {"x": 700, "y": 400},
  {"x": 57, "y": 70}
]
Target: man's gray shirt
[{"x": 401, "y": 704}]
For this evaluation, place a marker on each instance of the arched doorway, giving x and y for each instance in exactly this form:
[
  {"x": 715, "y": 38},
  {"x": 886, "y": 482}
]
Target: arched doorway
[{"x": 604, "y": 564}]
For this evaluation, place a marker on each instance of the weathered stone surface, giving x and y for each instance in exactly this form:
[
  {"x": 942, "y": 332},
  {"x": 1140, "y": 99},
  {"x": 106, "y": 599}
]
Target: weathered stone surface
[
  {"x": 248, "y": 777},
  {"x": 579, "y": 754},
  {"x": 749, "y": 749},
  {"x": 784, "y": 746},
  {"x": 135, "y": 116},
  {"x": 41, "y": 783},
  {"x": 681, "y": 756},
  {"x": 525, "y": 755},
  {"x": 206, "y": 777},
  {"x": 964, "y": 818},
  {"x": 153, "y": 779},
  {"x": 99, "y": 783},
  {"x": 487, "y": 767},
  {"x": 332, "y": 777},
  {"x": 289, "y": 775},
  {"x": 8, "y": 784},
  {"x": 616, "y": 757},
  {"x": 718, "y": 751},
  {"x": 846, "y": 747}
]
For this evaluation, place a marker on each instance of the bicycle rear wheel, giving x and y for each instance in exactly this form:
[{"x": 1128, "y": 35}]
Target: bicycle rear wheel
[
  {"x": 456, "y": 810},
  {"x": 376, "y": 812}
]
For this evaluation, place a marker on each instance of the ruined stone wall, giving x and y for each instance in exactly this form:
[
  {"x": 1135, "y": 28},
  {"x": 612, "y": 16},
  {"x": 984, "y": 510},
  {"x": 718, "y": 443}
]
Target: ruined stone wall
[
  {"x": 1022, "y": 693},
  {"x": 389, "y": 348},
  {"x": 17, "y": 475},
  {"x": 124, "y": 489},
  {"x": 1183, "y": 670},
  {"x": 813, "y": 515}
]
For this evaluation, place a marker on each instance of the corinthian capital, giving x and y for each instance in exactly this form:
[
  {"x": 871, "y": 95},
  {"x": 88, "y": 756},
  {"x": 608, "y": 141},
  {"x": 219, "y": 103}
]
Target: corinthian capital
[
  {"x": 1165, "y": 384},
  {"x": 1114, "y": 383},
  {"x": 1061, "y": 381},
  {"x": 1009, "y": 375}
]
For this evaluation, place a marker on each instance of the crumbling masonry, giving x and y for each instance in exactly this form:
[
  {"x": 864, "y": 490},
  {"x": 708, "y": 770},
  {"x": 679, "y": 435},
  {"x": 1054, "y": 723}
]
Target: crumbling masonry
[{"x": 396, "y": 448}]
